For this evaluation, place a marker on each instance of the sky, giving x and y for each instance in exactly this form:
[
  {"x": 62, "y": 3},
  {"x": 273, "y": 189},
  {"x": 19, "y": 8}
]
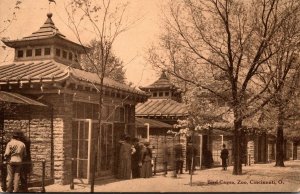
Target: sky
[{"x": 130, "y": 45}]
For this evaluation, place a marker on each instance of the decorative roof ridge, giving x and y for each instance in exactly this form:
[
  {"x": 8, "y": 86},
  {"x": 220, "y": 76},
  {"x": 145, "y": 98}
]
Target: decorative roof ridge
[{"x": 163, "y": 75}]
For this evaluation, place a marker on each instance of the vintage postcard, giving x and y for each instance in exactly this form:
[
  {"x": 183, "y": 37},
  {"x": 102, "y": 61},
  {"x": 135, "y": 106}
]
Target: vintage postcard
[{"x": 150, "y": 95}]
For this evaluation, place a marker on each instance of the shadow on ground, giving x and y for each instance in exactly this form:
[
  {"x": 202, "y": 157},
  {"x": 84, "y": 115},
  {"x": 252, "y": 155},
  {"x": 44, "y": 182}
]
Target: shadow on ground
[{"x": 202, "y": 183}]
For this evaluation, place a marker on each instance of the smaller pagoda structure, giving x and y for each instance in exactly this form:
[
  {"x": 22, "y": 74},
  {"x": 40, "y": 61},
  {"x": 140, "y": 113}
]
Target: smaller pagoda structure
[
  {"x": 164, "y": 106},
  {"x": 165, "y": 103}
]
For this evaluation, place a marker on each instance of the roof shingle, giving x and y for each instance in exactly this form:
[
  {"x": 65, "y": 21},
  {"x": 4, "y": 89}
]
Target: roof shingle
[
  {"x": 140, "y": 123},
  {"x": 52, "y": 71},
  {"x": 161, "y": 107},
  {"x": 48, "y": 29}
]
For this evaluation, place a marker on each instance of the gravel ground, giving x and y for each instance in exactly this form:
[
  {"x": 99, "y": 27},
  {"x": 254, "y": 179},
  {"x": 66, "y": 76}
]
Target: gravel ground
[{"x": 255, "y": 178}]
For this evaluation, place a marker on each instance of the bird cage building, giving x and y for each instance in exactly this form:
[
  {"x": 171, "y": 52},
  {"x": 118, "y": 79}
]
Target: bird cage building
[{"x": 46, "y": 68}]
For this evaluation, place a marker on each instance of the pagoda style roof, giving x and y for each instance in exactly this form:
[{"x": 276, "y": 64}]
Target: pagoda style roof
[
  {"x": 162, "y": 83},
  {"x": 50, "y": 71},
  {"x": 161, "y": 107},
  {"x": 48, "y": 31}
]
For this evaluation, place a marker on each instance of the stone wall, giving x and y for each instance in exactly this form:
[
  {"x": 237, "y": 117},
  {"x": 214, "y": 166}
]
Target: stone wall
[
  {"x": 50, "y": 131},
  {"x": 62, "y": 135},
  {"x": 35, "y": 123}
]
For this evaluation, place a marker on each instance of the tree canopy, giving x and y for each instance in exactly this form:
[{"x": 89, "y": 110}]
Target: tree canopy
[
  {"x": 208, "y": 41},
  {"x": 115, "y": 67}
]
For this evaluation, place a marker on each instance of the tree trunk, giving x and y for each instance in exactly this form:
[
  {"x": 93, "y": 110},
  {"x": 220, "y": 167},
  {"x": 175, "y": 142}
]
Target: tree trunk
[
  {"x": 279, "y": 138},
  {"x": 237, "y": 167},
  {"x": 95, "y": 154},
  {"x": 243, "y": 143}
]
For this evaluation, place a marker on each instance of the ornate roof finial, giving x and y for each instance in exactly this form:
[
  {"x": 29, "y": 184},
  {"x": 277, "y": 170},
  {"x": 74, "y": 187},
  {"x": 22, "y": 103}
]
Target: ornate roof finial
[
  {"x": 163, "y": 75},
  {"x": 49, "y": 15}
]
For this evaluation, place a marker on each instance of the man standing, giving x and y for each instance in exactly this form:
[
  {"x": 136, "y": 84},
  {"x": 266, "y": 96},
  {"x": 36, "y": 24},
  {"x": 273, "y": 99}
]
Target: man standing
[
  {"x": 14, "y": 153},
  {"x": 191, "y": 153},
  {"x": 224, "y": 157},
  {"x": 178, "y": 158}
]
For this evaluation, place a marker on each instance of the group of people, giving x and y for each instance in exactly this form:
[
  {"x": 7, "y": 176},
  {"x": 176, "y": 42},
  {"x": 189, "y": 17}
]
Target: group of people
[
  {"x": 17, "y": 156},
  {"x": 135, "y": 159},
  {"x": 191, "y": 153}
]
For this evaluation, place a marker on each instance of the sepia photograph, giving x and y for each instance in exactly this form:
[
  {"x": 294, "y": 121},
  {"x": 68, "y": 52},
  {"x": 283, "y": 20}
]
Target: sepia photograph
[{"x": 149, "y": 96}]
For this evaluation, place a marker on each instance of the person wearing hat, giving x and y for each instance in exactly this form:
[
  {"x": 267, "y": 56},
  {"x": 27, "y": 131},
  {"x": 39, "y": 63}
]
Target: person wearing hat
[
  {"x": 135, "y": 158},
  {"x": 191, "y": 153},
  {"x": 178, "y": 149},
  {"x": 14, "y": 154},
  {"x": 125, "y": 159},
  {"x": 145, "y": 162},
  {"x": 224, "y": 157},
  {"x": 166, "y": 157}
]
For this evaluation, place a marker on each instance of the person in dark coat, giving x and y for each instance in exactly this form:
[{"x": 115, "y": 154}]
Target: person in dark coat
[
  {"x": 207, "y": 158},
  {"x": 135, "y": 159},
  {"x": 145, "y": 162},
  {"x": 125, "y": 159},
  {"x": 178, "y": 158},
  {"x": 191, "y": 153},
  {"x": 166, "y": 156},
  {"x": 27, "y": 167},
  {"x": 224, "y": 157},
  {"x": 117, "y": 154}
]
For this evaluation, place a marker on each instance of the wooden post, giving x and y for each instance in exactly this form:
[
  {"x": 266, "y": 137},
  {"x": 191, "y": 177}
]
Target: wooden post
[
  {"x": 192, "y": 162},
  {"x": 72, "y": 174},
  {"x": 155, "y": 162},
  {"x": 43, "y": 176},
  {"x": 222, "y": 140},
  {"x": 292, "y": 150},
  {"x": 174, "y": 159},
  {"x": 94, "y": 158},
  {"x": 3, "y": 176},
  {"x": 90, "y": 121},
  {"x": 148, "y": 131}
]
